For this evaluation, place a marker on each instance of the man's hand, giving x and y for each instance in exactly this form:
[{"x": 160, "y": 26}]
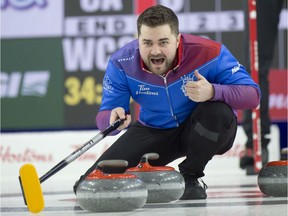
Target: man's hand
[
  {"x": 119, "y": 113},
  {"x": 200, "y": 90}
]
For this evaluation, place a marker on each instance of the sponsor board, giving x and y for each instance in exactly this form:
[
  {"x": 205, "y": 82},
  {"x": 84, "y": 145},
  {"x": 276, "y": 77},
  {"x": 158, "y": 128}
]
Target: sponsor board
[
  {"x": 31, "y": 93},
  {"x": 93, "y": 30},
  {"x": 278, "y": 98},
  {"x": 31, "y": 18}
]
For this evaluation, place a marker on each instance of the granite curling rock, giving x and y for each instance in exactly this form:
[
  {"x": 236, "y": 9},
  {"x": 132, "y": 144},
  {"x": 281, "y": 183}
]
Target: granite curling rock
[
  {"x": 164, "y": 183},
  {"x": 272, "y": 179},
  {"x": 103, "y": 192}
]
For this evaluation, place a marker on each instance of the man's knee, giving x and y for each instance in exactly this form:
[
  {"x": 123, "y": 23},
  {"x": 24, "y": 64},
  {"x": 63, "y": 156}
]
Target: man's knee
[{"x": 218, "y": 114}]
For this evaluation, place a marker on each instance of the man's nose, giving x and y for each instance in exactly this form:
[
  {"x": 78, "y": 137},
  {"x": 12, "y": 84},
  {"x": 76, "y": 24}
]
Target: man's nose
[{"x": 155, "y": 50}]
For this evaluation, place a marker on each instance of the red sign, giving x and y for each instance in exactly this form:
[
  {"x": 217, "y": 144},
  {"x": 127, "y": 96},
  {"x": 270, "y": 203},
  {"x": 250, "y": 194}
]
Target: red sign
[{"x": 278, "y": 103}]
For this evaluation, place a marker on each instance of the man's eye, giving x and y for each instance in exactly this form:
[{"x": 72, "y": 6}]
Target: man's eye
[
  {"x": 163, "y": 43},
  {"x": 147, "y": 43}
]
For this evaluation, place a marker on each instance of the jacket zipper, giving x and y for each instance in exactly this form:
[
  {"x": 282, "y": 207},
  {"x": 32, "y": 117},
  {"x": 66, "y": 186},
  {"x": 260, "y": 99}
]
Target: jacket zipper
[{"x": 169, "y": 100}]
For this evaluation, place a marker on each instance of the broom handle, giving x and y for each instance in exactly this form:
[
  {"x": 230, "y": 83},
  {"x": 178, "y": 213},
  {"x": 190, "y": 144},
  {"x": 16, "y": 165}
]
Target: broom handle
[
  {"x": 254, "y": 66},
  {"x": 78, "y": 152}
]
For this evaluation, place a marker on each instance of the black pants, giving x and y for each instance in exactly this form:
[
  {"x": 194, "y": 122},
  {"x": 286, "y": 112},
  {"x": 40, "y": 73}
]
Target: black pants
[
  {"x": 268, "y": 12},
  {"x": 210, "y": 130}
]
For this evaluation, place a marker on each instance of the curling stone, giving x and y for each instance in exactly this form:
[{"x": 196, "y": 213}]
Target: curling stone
[
  {"x": 103, "y": 192},
  {"x": 164, "y": 183},
  {"x": 272, "y": 179}
]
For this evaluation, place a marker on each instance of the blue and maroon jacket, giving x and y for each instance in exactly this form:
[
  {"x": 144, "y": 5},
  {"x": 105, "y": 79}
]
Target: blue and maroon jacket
[{"x": 162, "y": 100}]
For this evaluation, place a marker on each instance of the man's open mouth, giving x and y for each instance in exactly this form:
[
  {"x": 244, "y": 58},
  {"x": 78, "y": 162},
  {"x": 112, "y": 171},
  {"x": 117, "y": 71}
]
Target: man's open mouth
[{"x": 157, "y": 61}]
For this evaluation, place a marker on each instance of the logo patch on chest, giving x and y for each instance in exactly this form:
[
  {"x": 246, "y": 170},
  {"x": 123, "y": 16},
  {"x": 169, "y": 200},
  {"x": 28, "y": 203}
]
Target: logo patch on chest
[
  {"x": 185, "y": 79},
  {"x": 145, "y": 90}
]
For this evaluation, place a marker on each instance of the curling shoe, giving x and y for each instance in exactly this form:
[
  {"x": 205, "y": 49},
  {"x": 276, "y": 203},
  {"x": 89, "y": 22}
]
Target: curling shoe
[
  {"x": 246, "y": 158},
  {"x": 193, "y": 189},
  {"x": 247, "y": 161}
]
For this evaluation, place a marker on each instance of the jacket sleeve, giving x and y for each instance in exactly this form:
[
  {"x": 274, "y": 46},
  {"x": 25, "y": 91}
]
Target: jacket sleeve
[
  {"x": 239, "y": 97},
  {"x": 115, "y": 93},
  {"x": 233, "y": 84}
]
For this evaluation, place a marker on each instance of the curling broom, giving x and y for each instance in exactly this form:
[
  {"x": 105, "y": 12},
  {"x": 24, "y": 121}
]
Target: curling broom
[
  {"x": 30, "y": 183},
  {"x": 254, "y": 66}
]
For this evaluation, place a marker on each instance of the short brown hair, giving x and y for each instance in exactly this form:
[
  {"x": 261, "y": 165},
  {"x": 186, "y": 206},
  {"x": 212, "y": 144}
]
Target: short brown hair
[{"x": 158, "y": 15}]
